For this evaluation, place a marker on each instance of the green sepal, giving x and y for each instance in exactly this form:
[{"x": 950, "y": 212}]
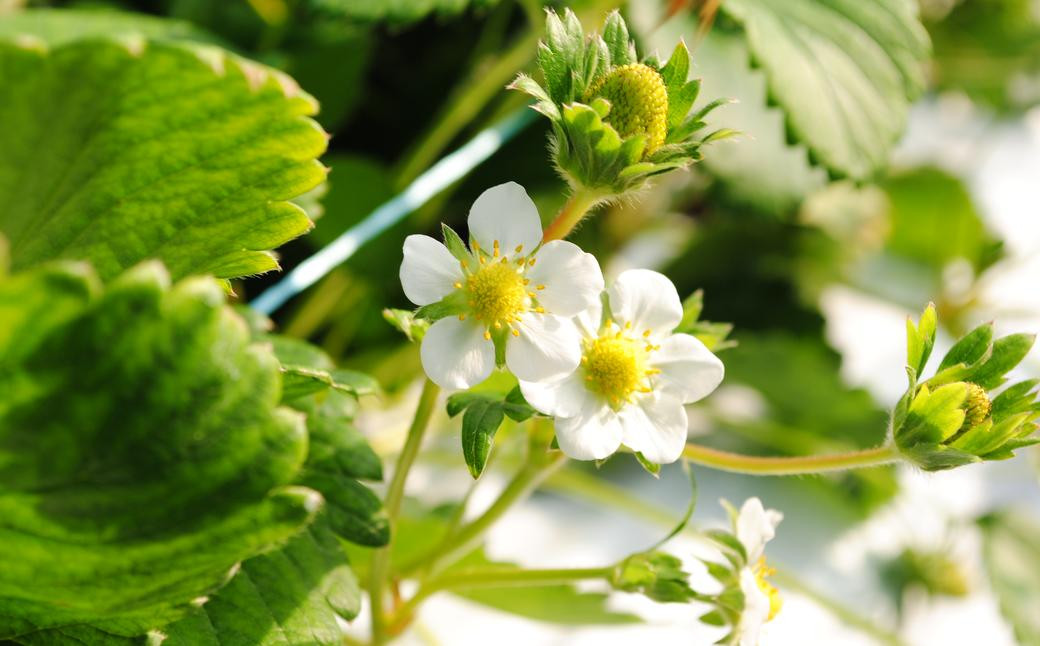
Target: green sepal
[
  {"x": 479, "y": 425},
  {"x": 657, "y": 575},
  {"x": 933, "y": 416},
  {"x": 937, "y": 457},
  {"x": 406, "y": 322},
  {"x": 451, "y": 305},
  {"x": 455, "y": 244}
]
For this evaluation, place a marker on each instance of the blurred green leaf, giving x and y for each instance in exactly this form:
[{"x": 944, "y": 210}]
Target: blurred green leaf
[
  {"x": 758, "y": 167},
  {"x": 392, "y": 11},
  {"x": 933, "y": 221},
  {"x": 295, "y": 595},
  {"x": 60, "y": 26},
  {"x": 843, "y": 72},
  {"x": 142, "y": 452},
  {"x": 149, "y": 150},
  {"x": 989, "y": 49},
  {"x": 1011, "y": 553}
]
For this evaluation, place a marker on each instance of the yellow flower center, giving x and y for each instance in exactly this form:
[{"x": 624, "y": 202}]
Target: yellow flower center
[
  {"x": 762, "y": 571},
  {"x": 977, "y": 406},
  {"x": 497, "y": 293},
  {"x": 616, "y": 365},
  {"x": 638, "y": 103}
]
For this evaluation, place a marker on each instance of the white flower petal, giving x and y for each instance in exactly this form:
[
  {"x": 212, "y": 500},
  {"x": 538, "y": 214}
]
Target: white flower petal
[
  {"x": 687, "y": 367},
  {"x": 505, "y": 213},
  {"x": 647, "y": 300},
  {"x": 429, "y": 271},
  {"x": 593, "y": 434},
  {"x": 548, "y": 348},
  {"x": 656, "y": 427},
  {"x": 570, "y": 279},
  {"x": 755, "y": 527},
  {"x": 561, "y": 398},
  {"x": 756, "y": 609},
  {"x": 455, "y": 354},
  {"x": 589, "y": 320}
]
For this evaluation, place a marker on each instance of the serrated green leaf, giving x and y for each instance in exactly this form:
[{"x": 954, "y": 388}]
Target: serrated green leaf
[
  {"x": 479, "y": 425},
  {"x": 152, "y": 150},
  {"x": 843, "y": 72},
  {"x": 142, "y": 452},
  {"x": 1011, "y": 553},
  {"x": 295, "y": 595},
  {"x": 391, "y": 11}
]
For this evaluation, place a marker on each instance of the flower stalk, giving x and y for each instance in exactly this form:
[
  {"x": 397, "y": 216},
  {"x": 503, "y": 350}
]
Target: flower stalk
[
  {"x": 574, "y": 210},
  {"x": 380, "y": 567},
  {"x": 789, "y": 465}
]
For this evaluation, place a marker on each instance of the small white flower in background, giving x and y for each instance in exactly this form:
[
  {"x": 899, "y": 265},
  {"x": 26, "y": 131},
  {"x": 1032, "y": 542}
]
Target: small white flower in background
[
  {"x": 634, "y": 376},
  {"x": 512, "y": 289},
  {"x": 754, "y": 527}
]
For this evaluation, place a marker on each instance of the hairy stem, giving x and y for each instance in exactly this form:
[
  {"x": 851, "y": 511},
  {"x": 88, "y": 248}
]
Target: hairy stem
[
  {"x": 574, "y": 209},
  {"x": 380, "y": 566},
  {"x": 787, "y": 466}
]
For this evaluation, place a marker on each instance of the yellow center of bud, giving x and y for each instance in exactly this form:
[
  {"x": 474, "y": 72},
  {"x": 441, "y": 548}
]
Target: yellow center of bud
[
  {"x": 977, "y": 406},
  {"x": 638, "y": 102},
  {"x": 762, "y": 571},
  {"x": 497, "y": 293},
  {"x": 616, "y": 366}
]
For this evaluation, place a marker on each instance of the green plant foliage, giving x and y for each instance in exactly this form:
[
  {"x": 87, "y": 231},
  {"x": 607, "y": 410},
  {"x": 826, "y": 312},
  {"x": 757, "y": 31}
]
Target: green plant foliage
[
  {"x": 757, "y": 167},
  {"x": 60, "y": 26},
  {"x": 292, "y": 596},
  {"x": 1011, "y": 552},
  {"x": 844, "y": 73},
  {"x": 151, "y": 150},
  {"x": 142, "y": 450},
  {"x": 392, "y": 11},
  {"x": 484, "y": 413},
  {"x": 990, "y": 50},
  {"x": 933, "y": 221}
]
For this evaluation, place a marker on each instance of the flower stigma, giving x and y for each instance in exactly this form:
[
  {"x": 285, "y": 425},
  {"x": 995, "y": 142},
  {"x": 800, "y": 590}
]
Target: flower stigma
[
  {"x": 616, "y": 365},
  {"x": 497, "y": 292}
]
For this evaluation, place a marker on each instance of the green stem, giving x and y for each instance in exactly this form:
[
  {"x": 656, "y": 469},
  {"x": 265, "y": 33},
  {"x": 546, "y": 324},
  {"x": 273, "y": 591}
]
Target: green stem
[
  {"x": 380, "y": 565},
  {"x": 571, "y": 213},
  {"x": 787, "y": 466},
  {"x": 460, "y": 543}
]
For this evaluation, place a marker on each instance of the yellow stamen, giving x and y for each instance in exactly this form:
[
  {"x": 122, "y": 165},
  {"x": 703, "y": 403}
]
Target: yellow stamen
[
  {"x": 762, "y": 571},
  {"x": 519, "y": 248},
  {"x": 496, "y": 294}
]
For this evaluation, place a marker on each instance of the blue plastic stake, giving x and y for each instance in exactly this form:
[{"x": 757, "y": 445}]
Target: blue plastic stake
[{"x": 441, "y": 175}]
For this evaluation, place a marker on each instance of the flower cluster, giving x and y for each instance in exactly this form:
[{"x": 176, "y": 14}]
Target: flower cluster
[{"x": 606, "y": 365}]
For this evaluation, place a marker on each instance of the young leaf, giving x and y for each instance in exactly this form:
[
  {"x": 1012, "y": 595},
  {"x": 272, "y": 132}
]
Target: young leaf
[
  {"x": 479, "y": 425},
  {"x": 158, "y": 150},
  {"x": 143, "y": 452},
  {"x": 970, "y": 348}
]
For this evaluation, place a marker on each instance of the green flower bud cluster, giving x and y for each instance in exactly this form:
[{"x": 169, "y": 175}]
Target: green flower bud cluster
[
  {"x": 616, "y": 120},
  {"x": 953, "y": 418},
  {"x": 934, "y": 570},
  {"x": 657, "y": 575}
]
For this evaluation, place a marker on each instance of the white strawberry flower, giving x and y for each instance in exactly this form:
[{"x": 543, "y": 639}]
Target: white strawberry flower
[
  {"x": 507, "y": 287},
  {"x": 754, "y": 527},
  {"x": 634, "y": 377}
]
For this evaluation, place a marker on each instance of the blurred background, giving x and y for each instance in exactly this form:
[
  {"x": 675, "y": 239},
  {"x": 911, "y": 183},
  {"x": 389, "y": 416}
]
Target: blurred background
[{"x": 813, "y": 239}]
